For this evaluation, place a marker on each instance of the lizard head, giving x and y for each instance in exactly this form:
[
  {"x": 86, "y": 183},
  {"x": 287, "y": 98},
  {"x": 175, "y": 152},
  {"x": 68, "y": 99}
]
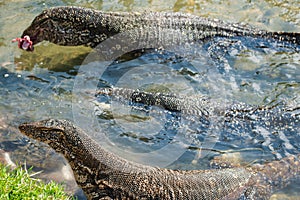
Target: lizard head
[
  {"x": 42, "y": 28},
  {"x": 68, "y": 26},
  {"x": 52, "y": 132}
]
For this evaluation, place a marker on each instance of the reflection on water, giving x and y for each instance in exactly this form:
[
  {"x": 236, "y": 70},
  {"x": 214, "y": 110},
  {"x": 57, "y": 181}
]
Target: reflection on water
[
  {"x": 51, "y": 57},
  {"x": 39, "y": 85}
]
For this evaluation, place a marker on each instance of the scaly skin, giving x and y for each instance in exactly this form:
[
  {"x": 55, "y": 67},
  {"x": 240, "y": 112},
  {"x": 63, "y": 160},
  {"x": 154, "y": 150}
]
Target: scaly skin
[
  {"x": 185, "y": 105},
  {"x": 103, "y": 175},
  {"x": 74, "y": 26},
  {"x": 203, "y": 107}
]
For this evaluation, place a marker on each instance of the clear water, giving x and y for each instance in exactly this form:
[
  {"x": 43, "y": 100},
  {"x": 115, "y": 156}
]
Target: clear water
[{"x": 40, "y": 85}]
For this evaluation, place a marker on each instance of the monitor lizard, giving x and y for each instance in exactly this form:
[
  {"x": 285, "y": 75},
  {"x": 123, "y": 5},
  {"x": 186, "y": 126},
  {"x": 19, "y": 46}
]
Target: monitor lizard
[{"x": 103, "y": 175}]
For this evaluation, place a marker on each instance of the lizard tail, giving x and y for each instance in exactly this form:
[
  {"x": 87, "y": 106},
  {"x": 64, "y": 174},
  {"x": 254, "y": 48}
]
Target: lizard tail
[
  {"x": 274, "y": 176},
  {"x": 292, "y": 37}
]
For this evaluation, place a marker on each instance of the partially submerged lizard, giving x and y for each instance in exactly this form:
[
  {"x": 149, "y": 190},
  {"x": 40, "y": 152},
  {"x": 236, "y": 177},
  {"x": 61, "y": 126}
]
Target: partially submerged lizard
[
  {"x": 204, "y": 107},
  {"x": 102, "y": 174},
  {"x": 232, "y": 122},
  {"x": 172, "y": 102},
  {"x": 72, "y": 26}
]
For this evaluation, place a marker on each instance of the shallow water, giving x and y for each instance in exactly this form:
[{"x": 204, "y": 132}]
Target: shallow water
[{"x": 40, "y": 85}]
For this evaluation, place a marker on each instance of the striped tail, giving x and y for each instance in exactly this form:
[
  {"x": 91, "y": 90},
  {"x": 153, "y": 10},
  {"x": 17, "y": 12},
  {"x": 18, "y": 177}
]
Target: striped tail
[{"x": 286, "y": 36}]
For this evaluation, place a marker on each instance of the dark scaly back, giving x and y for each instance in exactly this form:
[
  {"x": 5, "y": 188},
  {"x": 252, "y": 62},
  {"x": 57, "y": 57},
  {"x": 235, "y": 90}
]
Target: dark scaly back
[{"x": 194, "y": 105}]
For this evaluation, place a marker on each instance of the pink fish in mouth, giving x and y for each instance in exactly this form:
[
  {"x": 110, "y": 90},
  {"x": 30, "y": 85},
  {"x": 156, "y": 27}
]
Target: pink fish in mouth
[{"x": 24, "y": 43}]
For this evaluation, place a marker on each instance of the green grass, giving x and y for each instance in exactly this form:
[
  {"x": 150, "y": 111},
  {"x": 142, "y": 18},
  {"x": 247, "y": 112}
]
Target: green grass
[{"x": 19, "y": 184}]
